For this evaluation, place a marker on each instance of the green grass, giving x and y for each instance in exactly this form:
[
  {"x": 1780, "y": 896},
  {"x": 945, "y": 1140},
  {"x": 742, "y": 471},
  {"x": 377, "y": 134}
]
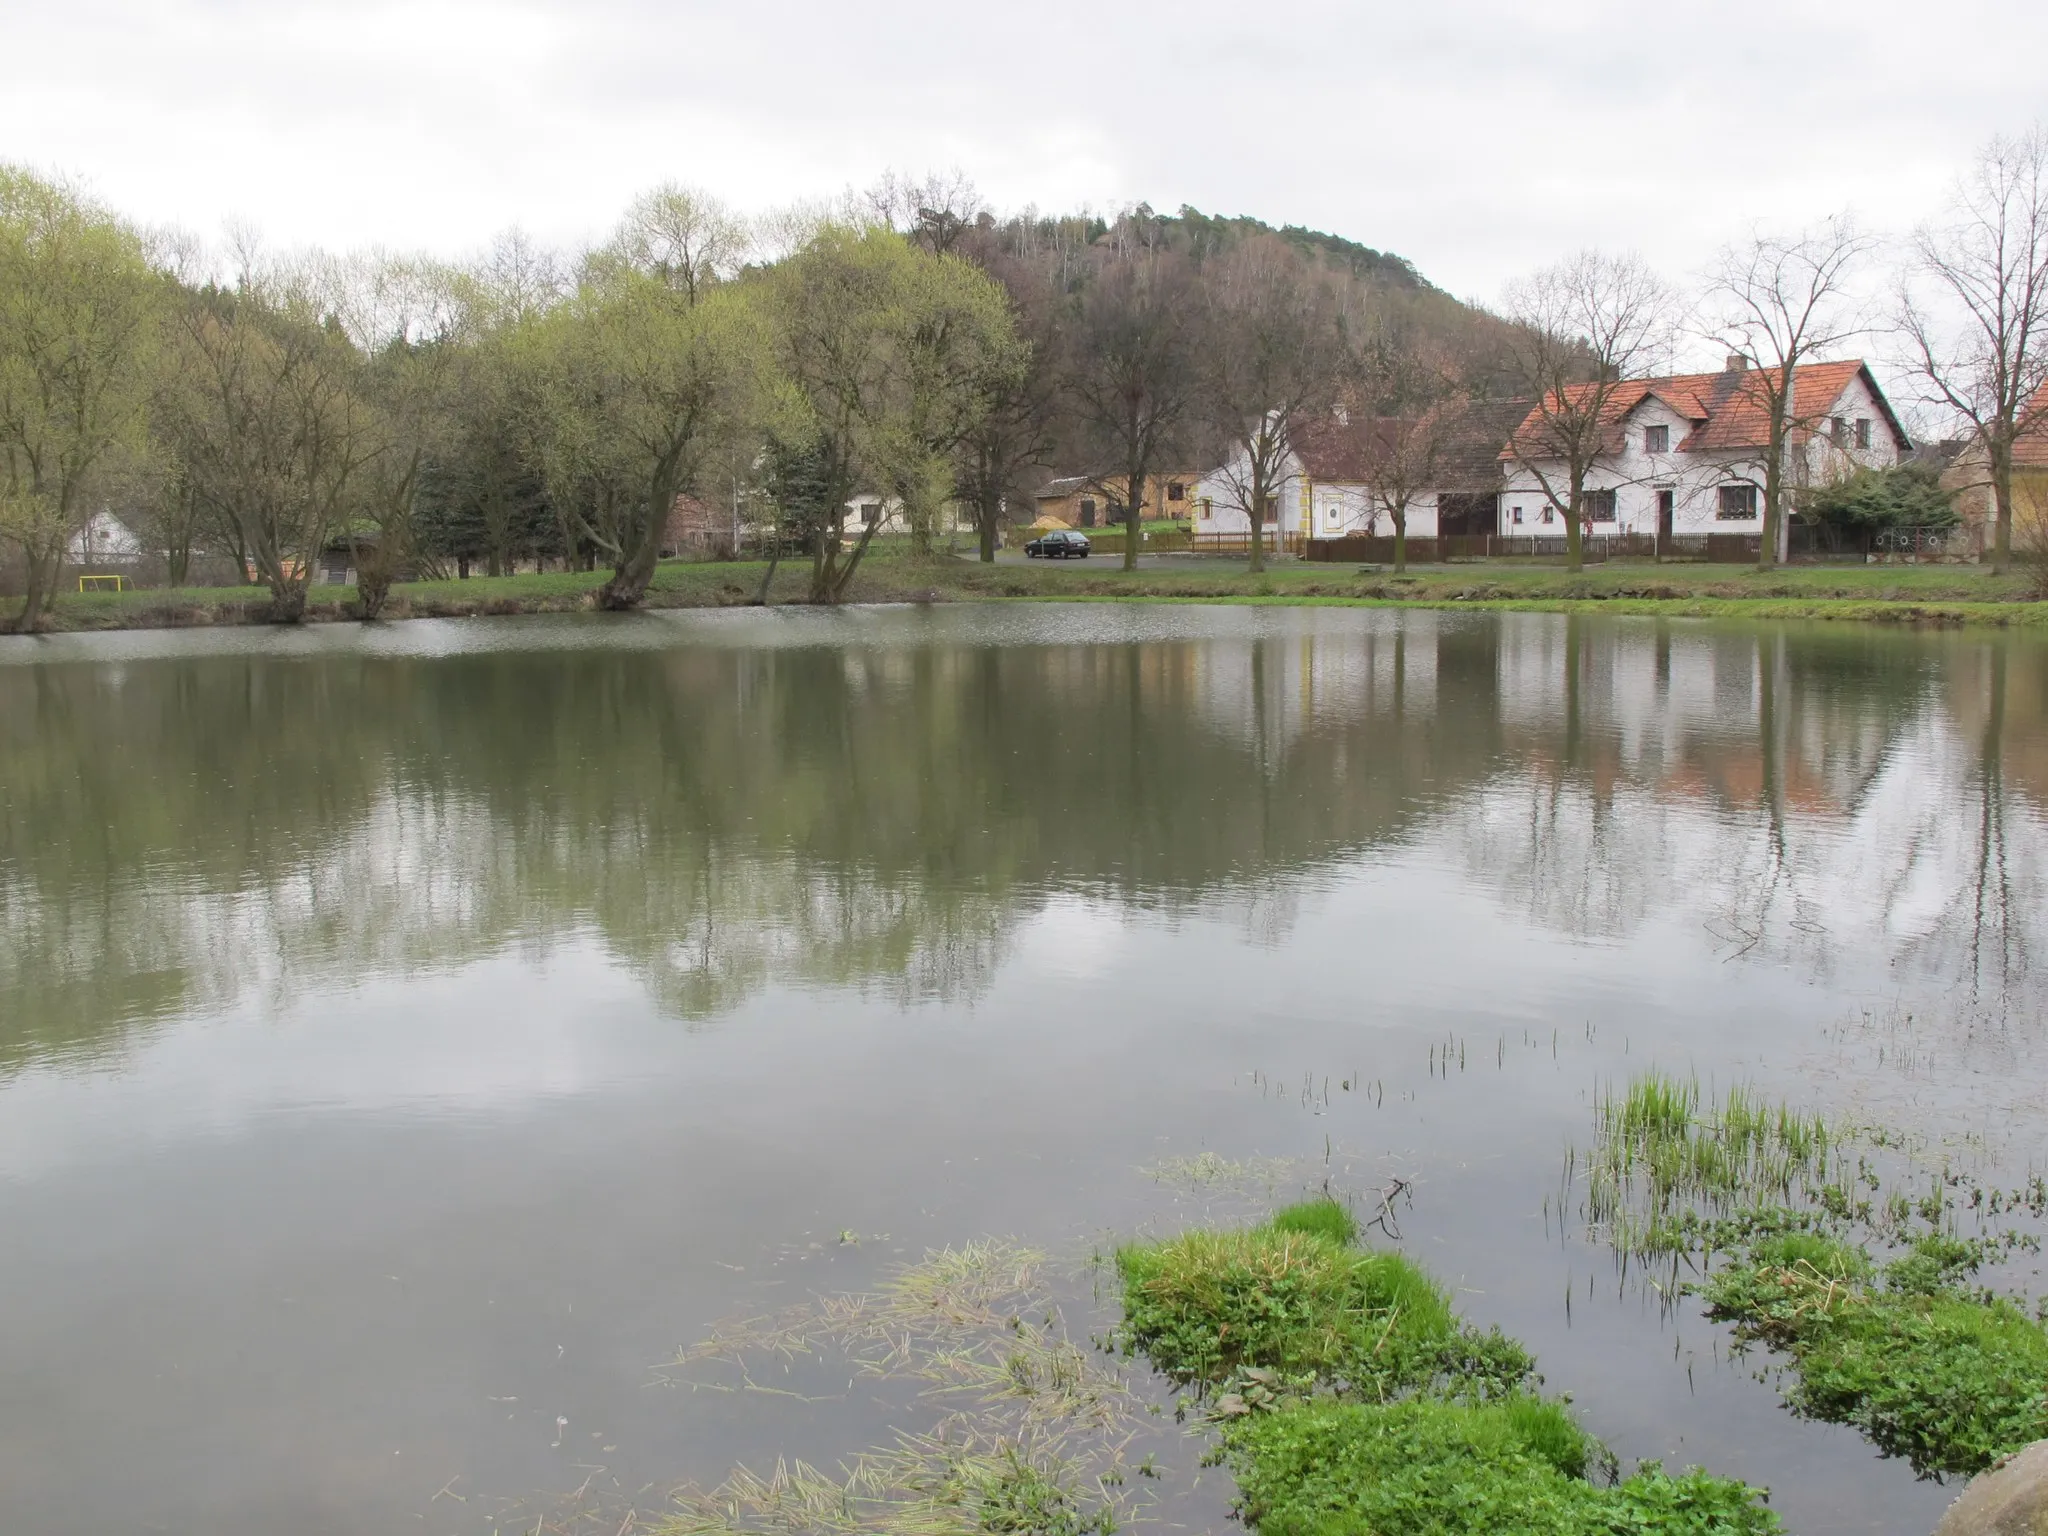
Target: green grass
[
  {"x": 1207, "y": 1304},
  {"x": 1365, "y": 1407},
  {"x": 1924, "y": 1369},
  {"x": 1431, "y": 1468},
  {"x": 1932, "y": 595},
  {"x": 1664, "y": 1163},
  {"x": 1321, "y": 1217}
]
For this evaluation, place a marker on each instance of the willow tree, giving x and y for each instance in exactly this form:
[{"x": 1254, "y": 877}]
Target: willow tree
[
  {"x": 888, "y": 357},
  {"x": 637, "y": 382},
  {"x": 79, "y": 310},
  {"x": 270, "y": 423}
]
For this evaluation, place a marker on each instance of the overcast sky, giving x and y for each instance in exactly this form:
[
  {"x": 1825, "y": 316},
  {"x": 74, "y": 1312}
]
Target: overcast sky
[{"x": 1478, "y": 138}]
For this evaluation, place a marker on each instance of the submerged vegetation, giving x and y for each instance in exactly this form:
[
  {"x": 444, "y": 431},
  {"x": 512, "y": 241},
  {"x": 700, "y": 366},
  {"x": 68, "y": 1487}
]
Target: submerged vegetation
[
  {"x": 1031, "y": 1436},
  {"x": 1779, "y": 1212}
]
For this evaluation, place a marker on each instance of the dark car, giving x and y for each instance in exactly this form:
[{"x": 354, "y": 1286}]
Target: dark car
[{"x": 1060, "y": 544}]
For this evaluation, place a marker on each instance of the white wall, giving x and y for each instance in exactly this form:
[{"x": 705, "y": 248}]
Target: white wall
[{"x": 1636, "y": 475}]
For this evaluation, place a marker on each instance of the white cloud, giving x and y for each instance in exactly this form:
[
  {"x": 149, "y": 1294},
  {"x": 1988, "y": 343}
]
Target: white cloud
[{"x": 1479, "y": 139}]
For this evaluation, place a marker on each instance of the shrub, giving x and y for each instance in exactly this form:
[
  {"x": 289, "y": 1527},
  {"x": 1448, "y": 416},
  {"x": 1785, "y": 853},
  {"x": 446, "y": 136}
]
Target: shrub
[
  {"x": 1431, "y": 1468},
  {"x": 1903, "y": 496}
]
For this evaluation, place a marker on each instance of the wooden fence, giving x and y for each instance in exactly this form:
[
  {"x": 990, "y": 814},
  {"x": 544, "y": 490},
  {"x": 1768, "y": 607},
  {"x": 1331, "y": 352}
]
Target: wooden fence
[{"x": 1806, "y": 542}]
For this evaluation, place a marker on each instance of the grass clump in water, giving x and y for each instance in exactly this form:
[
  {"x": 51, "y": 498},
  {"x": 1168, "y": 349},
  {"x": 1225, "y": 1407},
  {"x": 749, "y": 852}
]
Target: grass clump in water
[
  {"x": 1291, "y": 1297},
  {"x": 1321, "y": 1217},
  {"x": 1432, "y": 1468},
  {"x": 1665, "y": 1161},
  {"x": 1925, "y": 1370}
]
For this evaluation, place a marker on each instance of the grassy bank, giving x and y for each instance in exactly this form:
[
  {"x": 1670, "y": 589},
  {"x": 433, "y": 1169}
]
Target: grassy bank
[{"x": 1935, "y": 594}]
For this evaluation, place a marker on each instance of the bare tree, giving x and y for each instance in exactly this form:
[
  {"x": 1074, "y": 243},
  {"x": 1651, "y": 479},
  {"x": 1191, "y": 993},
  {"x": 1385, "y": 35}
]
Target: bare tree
[
  {"x": 1131, "y": 377},
  {"x": 1581, "y": 328},
  {"x": 936, "y": 211},
  {"x": 1015, "y": 430},
  {"x": 1783, "y": 301},
  {"x": 1406, "y": 384},
  {"x": 1975, "y": 309},
  {"x": 1272, "y": 356}
]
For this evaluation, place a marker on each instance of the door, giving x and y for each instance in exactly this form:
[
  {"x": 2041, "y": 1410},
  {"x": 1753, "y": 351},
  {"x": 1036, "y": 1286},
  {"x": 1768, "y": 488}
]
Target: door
[{"x": 1667, "y": 502}]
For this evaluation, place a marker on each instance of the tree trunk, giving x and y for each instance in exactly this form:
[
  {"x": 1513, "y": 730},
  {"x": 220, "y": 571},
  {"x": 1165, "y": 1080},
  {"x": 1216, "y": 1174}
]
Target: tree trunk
[
  {"x": 287, "y": 600},
  {"x": 768, "y": 576},
  {"x": 1134, "y": 515},
  {"x": 2001, "y": 511},
  {"x": 373, "y": 587},
  {"x": 829, "y": 579},
  {"x": 634, "y": 571},
  {"x": 1401, "y": 542},
  {"x": 1774, "y": 511},
  {"x": 1260, "y": 496},
  {"x": 42, "y": 590},
  {"x": 987, "y": 518},
  {"x": 1574, "y": 533}
]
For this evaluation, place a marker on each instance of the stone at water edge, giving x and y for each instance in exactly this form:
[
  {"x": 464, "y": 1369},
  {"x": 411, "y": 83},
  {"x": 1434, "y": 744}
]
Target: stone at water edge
[{"x": 2011, "y": 1499}]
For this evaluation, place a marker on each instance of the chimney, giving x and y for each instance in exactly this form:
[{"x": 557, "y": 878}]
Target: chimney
[{"x": 1736, "y": 363}]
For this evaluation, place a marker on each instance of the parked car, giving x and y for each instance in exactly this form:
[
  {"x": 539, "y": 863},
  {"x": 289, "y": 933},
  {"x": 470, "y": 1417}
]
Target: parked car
[{"x": 1059, "y": 544}]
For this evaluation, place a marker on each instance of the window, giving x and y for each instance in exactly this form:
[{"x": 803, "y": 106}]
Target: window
[
  {"x": 1599, "y": 506},
  {"x": 1548, "y": 515},
  {"x": 1863, "y": 432},
  {"x": 870, "y": 513},
  {"x": 1514, "y": 514},
  {"x": 1838, "y": 431},
  {"x": 1270, "y": 510},
  {"x": 1208, "y": 509},
  {"x": 1738, "y": 500},
  {"x": 1656, "y": 439},
  {"x": 1175, "y": 491}
]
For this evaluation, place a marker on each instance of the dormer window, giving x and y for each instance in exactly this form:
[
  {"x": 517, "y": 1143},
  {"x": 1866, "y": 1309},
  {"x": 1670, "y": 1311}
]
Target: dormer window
[
  {"x": 1656, "y": 439},
  {"x": 1863, "y": 433}
]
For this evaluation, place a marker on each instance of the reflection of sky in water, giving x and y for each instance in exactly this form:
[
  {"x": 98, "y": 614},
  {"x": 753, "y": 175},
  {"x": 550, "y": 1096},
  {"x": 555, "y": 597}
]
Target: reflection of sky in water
[{"x": 393, "y": 1022}]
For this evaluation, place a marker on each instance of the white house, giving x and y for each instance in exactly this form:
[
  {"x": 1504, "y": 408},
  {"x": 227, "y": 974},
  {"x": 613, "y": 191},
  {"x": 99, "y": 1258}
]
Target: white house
[
  {"x": 1326, "y": 486},
  {"x": 873, "y": 507},
  {"x": 1685, "y": 454},
  {"x": 104, "y": 540}
]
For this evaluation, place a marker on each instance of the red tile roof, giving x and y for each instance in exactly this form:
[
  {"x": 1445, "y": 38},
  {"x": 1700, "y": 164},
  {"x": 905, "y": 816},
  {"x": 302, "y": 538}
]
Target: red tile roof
[
  {"x": 1728, "y": 410},
  {"x": 2030, "y": 448}
]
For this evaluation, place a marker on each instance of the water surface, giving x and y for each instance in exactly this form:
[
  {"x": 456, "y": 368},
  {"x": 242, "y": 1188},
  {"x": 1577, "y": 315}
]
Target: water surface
[{"x": 410, "y": 1036}]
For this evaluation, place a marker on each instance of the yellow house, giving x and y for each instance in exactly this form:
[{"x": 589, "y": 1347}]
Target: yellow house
[{"x": 1083, "y": 501}]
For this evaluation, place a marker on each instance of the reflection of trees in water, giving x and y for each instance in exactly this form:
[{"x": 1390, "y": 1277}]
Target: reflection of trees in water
[
  {"x": 1806, "y": 796},
  {"x": 181, "y": 835},
  {"x": 186, "y": 834}
]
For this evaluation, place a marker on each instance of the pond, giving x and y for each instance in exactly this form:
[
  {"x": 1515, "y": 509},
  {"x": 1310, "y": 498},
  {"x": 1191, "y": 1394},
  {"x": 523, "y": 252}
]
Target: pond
[{"x": 410, "y": 1037}]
